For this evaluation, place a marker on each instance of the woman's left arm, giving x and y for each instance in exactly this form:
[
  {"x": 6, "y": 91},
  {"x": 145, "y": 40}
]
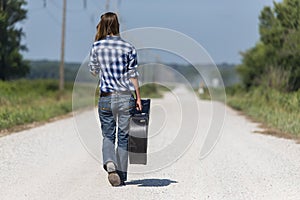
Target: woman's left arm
[
  {"x": 137, "y": 93},
  {"x": 94, "y": 65}
]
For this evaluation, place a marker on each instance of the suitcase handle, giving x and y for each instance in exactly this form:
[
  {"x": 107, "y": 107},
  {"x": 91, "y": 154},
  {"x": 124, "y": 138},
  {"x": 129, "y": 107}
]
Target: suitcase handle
[{"x": 145, "y": 107}]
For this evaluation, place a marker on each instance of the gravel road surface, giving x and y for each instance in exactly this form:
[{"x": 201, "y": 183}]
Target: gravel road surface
[{"x": 50, "y": 162}]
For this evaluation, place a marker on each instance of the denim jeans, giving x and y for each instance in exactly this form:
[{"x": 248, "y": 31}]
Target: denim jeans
[{"x": 114, "y": 113}]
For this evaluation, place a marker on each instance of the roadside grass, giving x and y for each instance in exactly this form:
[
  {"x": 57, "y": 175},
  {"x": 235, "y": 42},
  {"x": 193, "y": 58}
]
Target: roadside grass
[
  {"x": 153, "y": 90},
  {"x": 27, "y": 101},
  {"x": 23, "y": 102},
  {"x": 279, "y": 112}
]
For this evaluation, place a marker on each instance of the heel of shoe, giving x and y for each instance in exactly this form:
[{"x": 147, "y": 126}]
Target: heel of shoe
[{"x": 114, "y": 179}]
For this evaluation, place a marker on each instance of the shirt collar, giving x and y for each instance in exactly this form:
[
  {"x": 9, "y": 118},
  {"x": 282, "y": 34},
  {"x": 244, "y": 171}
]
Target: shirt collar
[{"x": 113, "y": 37}]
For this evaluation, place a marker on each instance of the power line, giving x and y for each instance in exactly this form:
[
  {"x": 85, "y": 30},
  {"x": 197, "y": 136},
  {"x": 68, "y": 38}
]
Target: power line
[
  {"x": 55, "y": 4},
  {"x": 58, "y": 21},
  {"x": 53, "y": 17}
]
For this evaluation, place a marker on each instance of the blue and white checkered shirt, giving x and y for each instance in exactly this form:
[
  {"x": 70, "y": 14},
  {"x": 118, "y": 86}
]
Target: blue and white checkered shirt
[{"x": 115, "y": 60}]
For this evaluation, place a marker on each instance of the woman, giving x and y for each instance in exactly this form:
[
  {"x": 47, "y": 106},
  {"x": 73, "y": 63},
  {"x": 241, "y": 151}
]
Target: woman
[{"x": 115, "y": 62}]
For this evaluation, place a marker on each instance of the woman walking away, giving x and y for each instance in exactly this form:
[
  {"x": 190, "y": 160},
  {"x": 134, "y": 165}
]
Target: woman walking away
[{"x": 115, "y": 62}]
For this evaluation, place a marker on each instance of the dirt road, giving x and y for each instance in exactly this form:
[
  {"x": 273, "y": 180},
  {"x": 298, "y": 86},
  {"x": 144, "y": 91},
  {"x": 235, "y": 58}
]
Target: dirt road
[{"x": 50, "y": 162}]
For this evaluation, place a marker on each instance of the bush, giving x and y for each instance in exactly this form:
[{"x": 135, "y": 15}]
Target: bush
[{"x": 269, "y": 106}]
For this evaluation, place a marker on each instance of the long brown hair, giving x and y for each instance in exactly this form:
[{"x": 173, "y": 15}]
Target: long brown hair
[{"x": 109, "y": 24}]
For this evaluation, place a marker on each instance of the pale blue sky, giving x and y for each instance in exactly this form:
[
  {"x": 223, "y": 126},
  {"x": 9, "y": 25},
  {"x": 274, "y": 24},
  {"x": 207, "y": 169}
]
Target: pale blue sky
[{"x": 222, "y": 27}]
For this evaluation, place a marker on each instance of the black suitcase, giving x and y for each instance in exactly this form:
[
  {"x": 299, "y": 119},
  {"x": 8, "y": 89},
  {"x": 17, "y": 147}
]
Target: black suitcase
[{"x": 138, "y": 134}]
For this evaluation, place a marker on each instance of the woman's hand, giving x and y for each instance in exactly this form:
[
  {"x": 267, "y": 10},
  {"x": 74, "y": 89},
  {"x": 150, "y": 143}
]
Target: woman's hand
[
  {"x": 139, "y": 106},
  {"x": 135, "y": 83}
]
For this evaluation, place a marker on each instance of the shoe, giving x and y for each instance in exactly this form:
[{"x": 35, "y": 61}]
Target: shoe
[
  {"x": 110, "y": 167},
  {"x": 114, "y": 179},
  {"x": 122, "y": 183}
]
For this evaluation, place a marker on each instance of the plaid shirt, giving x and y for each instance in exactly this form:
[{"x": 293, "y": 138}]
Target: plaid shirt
[{"x": 115, "y": 60}]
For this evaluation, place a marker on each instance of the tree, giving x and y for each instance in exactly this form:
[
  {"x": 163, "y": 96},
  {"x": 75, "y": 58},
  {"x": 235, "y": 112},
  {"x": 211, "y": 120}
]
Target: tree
[
  {"x": 253, "y": 65},
  {"x": 12, "y": 64},
  {"x": 275, "y": 60}
]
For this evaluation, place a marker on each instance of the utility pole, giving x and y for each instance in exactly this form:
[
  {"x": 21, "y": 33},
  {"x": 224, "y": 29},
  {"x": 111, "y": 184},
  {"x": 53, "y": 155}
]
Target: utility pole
[
  {"x": 107, "y": 5},
  {"x": 84, "y": 4},
  {"x": 62, "y": 55}
]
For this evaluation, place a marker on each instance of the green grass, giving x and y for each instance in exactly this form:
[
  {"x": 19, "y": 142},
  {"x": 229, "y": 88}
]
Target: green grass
[
  {"x": 27, "y": 101},
  {"x": 273, "y": 108},
  {"x": 24, "y": 101},
  {"x": 153, "y": 90}
]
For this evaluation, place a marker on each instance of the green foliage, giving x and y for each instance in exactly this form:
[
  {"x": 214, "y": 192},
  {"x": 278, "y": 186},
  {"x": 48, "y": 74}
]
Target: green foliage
[
  {"x": 24, "y": 101},
  {"x": 278, "y": 52},
  {"x": 251, "y": 67},
  {"x": 11, "y": 61},
  {"x": 153, "y": 90},
  {"x": 269, "y": 106}
]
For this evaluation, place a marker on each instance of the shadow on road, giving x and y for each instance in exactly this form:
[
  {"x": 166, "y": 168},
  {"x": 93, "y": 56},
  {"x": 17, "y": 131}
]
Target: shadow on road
[{"x": 151, "y": 182}]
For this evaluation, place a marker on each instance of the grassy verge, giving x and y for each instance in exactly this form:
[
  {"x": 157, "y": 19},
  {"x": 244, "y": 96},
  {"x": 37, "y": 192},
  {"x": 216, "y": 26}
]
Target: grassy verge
[
  {"x": 153, "y": 91},
  {"x": 26, "y": 101},
  {"x": 279, "y": 112}
]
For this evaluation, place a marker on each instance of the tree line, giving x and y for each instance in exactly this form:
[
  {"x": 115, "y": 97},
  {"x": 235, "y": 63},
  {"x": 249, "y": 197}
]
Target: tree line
[
  {"x": 275, "y": 60},
  {"x": 12, "y": 64}
]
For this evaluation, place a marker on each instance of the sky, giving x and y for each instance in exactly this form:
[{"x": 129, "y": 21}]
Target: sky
[{"x": 223, "y": 27}]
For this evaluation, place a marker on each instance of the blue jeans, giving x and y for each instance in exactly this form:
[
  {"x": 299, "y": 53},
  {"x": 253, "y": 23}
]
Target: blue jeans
[{"x": 114, "y": 113}]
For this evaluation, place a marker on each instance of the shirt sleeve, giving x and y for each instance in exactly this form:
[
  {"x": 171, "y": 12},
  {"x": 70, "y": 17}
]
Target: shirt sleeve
[
  {"x": 132, "y": 64},
  {"x": 94, "y": 65}
]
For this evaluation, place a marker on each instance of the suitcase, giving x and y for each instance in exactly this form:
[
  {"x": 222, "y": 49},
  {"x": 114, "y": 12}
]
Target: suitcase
[{"x": 138, "y": 134}]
